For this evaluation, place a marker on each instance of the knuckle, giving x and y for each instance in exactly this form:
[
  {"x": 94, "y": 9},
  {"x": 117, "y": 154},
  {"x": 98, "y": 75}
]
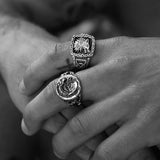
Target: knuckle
[
  {"x": 123, "y": 61},
  {"x": 54, "y": 54},
  {"x": 29, "y": 71},
  {"x": 78, "y": 127},
  {"x": 117, "y": 41},
  {"x": 49, "y": 91},
  {"x": 103, "y": 154},
  {"x": 28, "y": 76}
]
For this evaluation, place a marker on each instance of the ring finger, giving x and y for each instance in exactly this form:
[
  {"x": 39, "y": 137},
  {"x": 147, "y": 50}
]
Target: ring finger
[{"x": 57, "y": 60}]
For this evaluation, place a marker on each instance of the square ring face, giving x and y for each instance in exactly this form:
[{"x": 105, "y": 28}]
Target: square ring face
[{"x": 83, "y": 45}]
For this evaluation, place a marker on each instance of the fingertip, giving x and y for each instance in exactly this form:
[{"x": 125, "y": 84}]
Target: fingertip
[
  {"x": 58, "y": 149},
  {"x": 58, "y": 156},
  {"x": 25, "y": 129}
]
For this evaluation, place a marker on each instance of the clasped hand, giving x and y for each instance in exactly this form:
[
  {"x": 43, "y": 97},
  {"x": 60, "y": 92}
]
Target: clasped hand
[{"x": 121, "y": 86}]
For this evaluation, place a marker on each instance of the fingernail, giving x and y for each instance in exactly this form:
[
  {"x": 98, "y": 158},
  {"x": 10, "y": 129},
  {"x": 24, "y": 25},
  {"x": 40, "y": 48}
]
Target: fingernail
[
  {"x": 25, "y": 129},
  {"x": 22, "y": 87},
  {"x": 58, "y": 156}
]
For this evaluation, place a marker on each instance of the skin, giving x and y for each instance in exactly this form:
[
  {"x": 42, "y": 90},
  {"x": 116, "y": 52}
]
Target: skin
[
  {"x": 125, "y": 74},
  {"x": 28, "y": 43},
  {"x": 25, "y": 46}
]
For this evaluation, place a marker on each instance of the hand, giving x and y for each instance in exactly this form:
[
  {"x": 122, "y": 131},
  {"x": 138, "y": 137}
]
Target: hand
[
  {"x": 20, "y": 47},
  {"x": 125, "y": 77},
  {"x": 15, "y": 64},
  {"x": 21, "y": 44}
]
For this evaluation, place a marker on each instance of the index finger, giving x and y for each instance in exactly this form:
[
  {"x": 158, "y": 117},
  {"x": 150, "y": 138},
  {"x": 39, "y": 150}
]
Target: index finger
[
  {"x": 50, "y": 64},
  {"x": 54, "y": 62}
]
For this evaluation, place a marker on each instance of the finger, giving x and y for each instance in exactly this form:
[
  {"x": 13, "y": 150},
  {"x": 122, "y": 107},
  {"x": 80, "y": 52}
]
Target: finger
[
  {"x": 58, "y": 60},
  {"x": 127, "y": 140},
  {"x": 47, "y": 66},
  {"x": 87, "y": 26},
  {"x": 95, "y": 141},
  {"x": 92, "y": 143},
  {"x": 83, "y": 152},
  {"x": 47, "y": 103},
  {"x": 91, "y": 121},
  {"x": 43, "y": 106},
  {"x": 54, "y": 123},
  {"x": 58, "y": 121}
]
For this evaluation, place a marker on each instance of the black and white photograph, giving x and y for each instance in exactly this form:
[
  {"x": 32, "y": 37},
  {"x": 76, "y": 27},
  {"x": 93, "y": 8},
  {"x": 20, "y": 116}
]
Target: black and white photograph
[{"x": 79, "y": 80}]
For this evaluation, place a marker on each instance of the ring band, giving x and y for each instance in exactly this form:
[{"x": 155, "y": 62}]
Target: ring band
[
  {"x": 68, "y": 88},
  {"x": 82, "y": 49}
]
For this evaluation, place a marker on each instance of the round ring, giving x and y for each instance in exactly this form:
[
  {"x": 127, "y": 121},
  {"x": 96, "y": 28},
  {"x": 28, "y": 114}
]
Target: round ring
[
  {"x": 82, "y": 49},
  {"x": 68, "y": 88}
]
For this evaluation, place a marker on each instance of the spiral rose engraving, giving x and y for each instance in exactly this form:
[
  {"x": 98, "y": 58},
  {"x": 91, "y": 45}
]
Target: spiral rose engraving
[{"x": 68, "y": 86}]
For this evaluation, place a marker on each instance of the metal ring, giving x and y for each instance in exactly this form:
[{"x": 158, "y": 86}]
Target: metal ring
[
  {"x": 68, "y": 88},
  {"x": 82, "y": 49}
]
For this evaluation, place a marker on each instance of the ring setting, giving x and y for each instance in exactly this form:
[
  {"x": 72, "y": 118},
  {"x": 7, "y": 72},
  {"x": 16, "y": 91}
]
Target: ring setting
[
  {"x": 68, "y": 88},
  {"x": 82, "y": 49}
]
